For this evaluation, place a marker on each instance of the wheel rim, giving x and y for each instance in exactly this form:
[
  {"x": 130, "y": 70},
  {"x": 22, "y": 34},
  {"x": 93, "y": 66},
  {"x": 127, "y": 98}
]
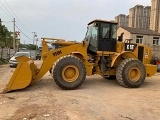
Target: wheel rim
[
  {"x": 70, "y": 73},
  {"x": 134, "y": 74}
]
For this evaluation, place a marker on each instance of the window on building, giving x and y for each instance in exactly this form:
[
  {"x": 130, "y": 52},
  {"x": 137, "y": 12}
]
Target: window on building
[
  {"x": 155, "y": 40},
  {"x": 139, "y": 39}
]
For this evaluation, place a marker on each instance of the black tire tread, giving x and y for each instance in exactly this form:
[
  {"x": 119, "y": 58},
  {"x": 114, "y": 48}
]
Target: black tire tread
[
  {"x": 119, "y": 72},
  {"x": 56, "y": 67}
]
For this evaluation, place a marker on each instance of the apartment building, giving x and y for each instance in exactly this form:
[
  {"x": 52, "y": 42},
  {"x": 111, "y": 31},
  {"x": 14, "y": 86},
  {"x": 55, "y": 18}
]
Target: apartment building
[
  {"x": 139, "y": 17},
  {"x": 146, "y": 17},
  {"x": 122, "y": 20},
  {"x": 155, "y": 16}
]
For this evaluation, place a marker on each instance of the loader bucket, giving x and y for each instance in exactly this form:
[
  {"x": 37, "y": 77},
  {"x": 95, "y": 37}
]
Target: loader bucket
[{"x": 22, "y": 75}]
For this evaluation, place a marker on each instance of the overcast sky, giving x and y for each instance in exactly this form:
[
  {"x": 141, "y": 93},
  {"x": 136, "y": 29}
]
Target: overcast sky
[{"x": 66, "y": 19}]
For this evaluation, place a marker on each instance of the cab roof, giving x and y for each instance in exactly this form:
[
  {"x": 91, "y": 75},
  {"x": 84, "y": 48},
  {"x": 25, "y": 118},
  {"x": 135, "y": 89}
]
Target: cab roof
[{"x": 99, "y": 20}]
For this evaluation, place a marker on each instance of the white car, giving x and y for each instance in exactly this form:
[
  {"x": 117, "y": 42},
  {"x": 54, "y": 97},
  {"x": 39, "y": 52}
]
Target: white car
[{"x": 13, "y": 62}]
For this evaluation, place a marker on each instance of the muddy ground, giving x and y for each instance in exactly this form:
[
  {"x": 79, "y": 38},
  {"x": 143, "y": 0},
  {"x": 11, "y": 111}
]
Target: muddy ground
[{"x": 96, "y": 99}]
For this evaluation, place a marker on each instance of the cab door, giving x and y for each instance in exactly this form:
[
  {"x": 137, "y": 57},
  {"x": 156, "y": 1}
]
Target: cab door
[{"x": 107, "y": 37}]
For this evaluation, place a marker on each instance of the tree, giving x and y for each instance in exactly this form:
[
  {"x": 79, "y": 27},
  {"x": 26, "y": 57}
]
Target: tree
[
  {"x": 32, "y": 47},
  {"x": 6, "y": 38},
  {"x": 28, "y": 46}
]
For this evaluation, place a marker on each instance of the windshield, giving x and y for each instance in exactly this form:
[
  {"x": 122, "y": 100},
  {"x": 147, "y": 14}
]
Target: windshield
[
  {"x": 91, "y": 35},
  {"x": 21, "y": 54},
  {"x": 92, "y": 32}
]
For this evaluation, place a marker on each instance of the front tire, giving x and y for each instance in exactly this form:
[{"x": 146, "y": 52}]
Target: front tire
[
  {"x": 131, "y": 73},
  {"x": 69, "y": 72}
]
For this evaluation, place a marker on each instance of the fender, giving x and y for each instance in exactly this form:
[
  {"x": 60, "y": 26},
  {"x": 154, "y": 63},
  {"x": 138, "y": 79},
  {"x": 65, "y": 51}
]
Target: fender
[
  {"x": 79, "y": 55},
  {"x": 123, "y": 54},
  {"x": 88, "y": 66}
]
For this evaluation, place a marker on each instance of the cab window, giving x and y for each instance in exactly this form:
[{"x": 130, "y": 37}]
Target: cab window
[{"x": 105, "y": 30}]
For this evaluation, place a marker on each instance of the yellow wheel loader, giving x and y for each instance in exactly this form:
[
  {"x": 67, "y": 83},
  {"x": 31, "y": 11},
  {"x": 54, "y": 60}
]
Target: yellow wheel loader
[{"x": 99, "y": 53}]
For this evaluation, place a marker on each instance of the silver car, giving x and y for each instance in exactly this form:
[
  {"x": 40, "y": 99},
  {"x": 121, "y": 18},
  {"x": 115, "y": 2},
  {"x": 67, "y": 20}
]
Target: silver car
[{"x": 13, "y": 62}]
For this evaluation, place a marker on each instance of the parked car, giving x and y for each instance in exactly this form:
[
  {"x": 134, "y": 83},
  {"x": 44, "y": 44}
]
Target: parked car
[{"x": 13, "y": 62}]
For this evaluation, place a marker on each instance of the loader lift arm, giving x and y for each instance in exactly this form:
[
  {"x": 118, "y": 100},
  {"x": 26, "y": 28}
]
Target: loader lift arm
[
  {"x": 50, "y": 57},
  {"x": 31, "y": 73}
]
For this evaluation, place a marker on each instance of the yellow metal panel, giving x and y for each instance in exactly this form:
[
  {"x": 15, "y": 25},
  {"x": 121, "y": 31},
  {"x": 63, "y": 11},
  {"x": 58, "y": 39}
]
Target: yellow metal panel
[
  {"x": 119, "y": 47},
  {"x": 111, "y": 72},
  {"x": 89, "y": 68},
  {"x": 147, "y": 55},
  {"x": 150, "y": 70},
  {"x": 104, "y": 53}
]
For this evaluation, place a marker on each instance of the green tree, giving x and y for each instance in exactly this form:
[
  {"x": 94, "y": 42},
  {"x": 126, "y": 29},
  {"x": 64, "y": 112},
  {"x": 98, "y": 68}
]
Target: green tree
[
  {"x": 28, "y": 46},
  {"x": 32, "y": 47},
  {"x": 6, "y": 38}
]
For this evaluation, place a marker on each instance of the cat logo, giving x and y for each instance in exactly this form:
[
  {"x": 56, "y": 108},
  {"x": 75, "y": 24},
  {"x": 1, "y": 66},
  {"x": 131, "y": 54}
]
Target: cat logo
[{"x": 130, "y": 47}]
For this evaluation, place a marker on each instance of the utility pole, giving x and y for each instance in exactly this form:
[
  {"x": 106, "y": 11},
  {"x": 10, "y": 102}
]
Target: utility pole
[
  {"x": 14, "y": 40},
  {"x": 36, "y": 43},
  {"x": 36, "y": 47},
  {"x": 34, "y": 35}
]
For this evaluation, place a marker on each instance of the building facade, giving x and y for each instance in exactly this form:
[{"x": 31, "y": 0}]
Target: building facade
[
  {"x": 122, "y": 20},
  {"x": 146, "y": 17},
  {"x": 131, "y": 17},
  {"x": 139, "y": 17},
  {"x": 142, "y": 36},
  {"x": 155, "y": 16}
]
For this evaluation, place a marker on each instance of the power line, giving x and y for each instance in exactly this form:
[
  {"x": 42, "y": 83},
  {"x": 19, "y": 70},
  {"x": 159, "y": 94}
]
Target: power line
[
  {"x": 13, "y": 17},
  {"x": 16, "y": 15},
  {"x": 6, "y": 9},
  {"x": 22, "y": 32},
  {"x": 6, "y": 21},
  {"x": 5, "y": 12},
  {"x": 10, "y": 8}
]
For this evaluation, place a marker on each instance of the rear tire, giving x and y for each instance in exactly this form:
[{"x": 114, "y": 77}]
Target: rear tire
[
  {"x": 69, "y": 72},
  {"x": 131, "y": 73}
]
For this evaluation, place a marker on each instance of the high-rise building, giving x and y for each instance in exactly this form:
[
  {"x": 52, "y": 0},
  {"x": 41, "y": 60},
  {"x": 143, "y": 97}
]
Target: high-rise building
[
  {"x": 139, "y": 16},
  {"x": 146, "y": 17},
  {"x": 122, "y": 20},
  {"x": 131, "y": 17},
  {"x": 155, "y": 16}
]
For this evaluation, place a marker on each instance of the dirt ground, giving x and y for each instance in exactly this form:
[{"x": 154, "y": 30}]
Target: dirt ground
[{"x": 96, "y": 99}]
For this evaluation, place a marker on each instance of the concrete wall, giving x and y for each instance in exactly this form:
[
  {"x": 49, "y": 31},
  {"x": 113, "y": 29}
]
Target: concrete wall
[
  {"x": 147, "y": 40},
  {"x": 8, "y": 53}
]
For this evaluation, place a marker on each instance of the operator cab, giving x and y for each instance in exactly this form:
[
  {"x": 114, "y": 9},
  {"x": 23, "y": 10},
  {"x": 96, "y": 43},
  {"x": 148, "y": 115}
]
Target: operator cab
[{"x": 102, "y": 36}]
